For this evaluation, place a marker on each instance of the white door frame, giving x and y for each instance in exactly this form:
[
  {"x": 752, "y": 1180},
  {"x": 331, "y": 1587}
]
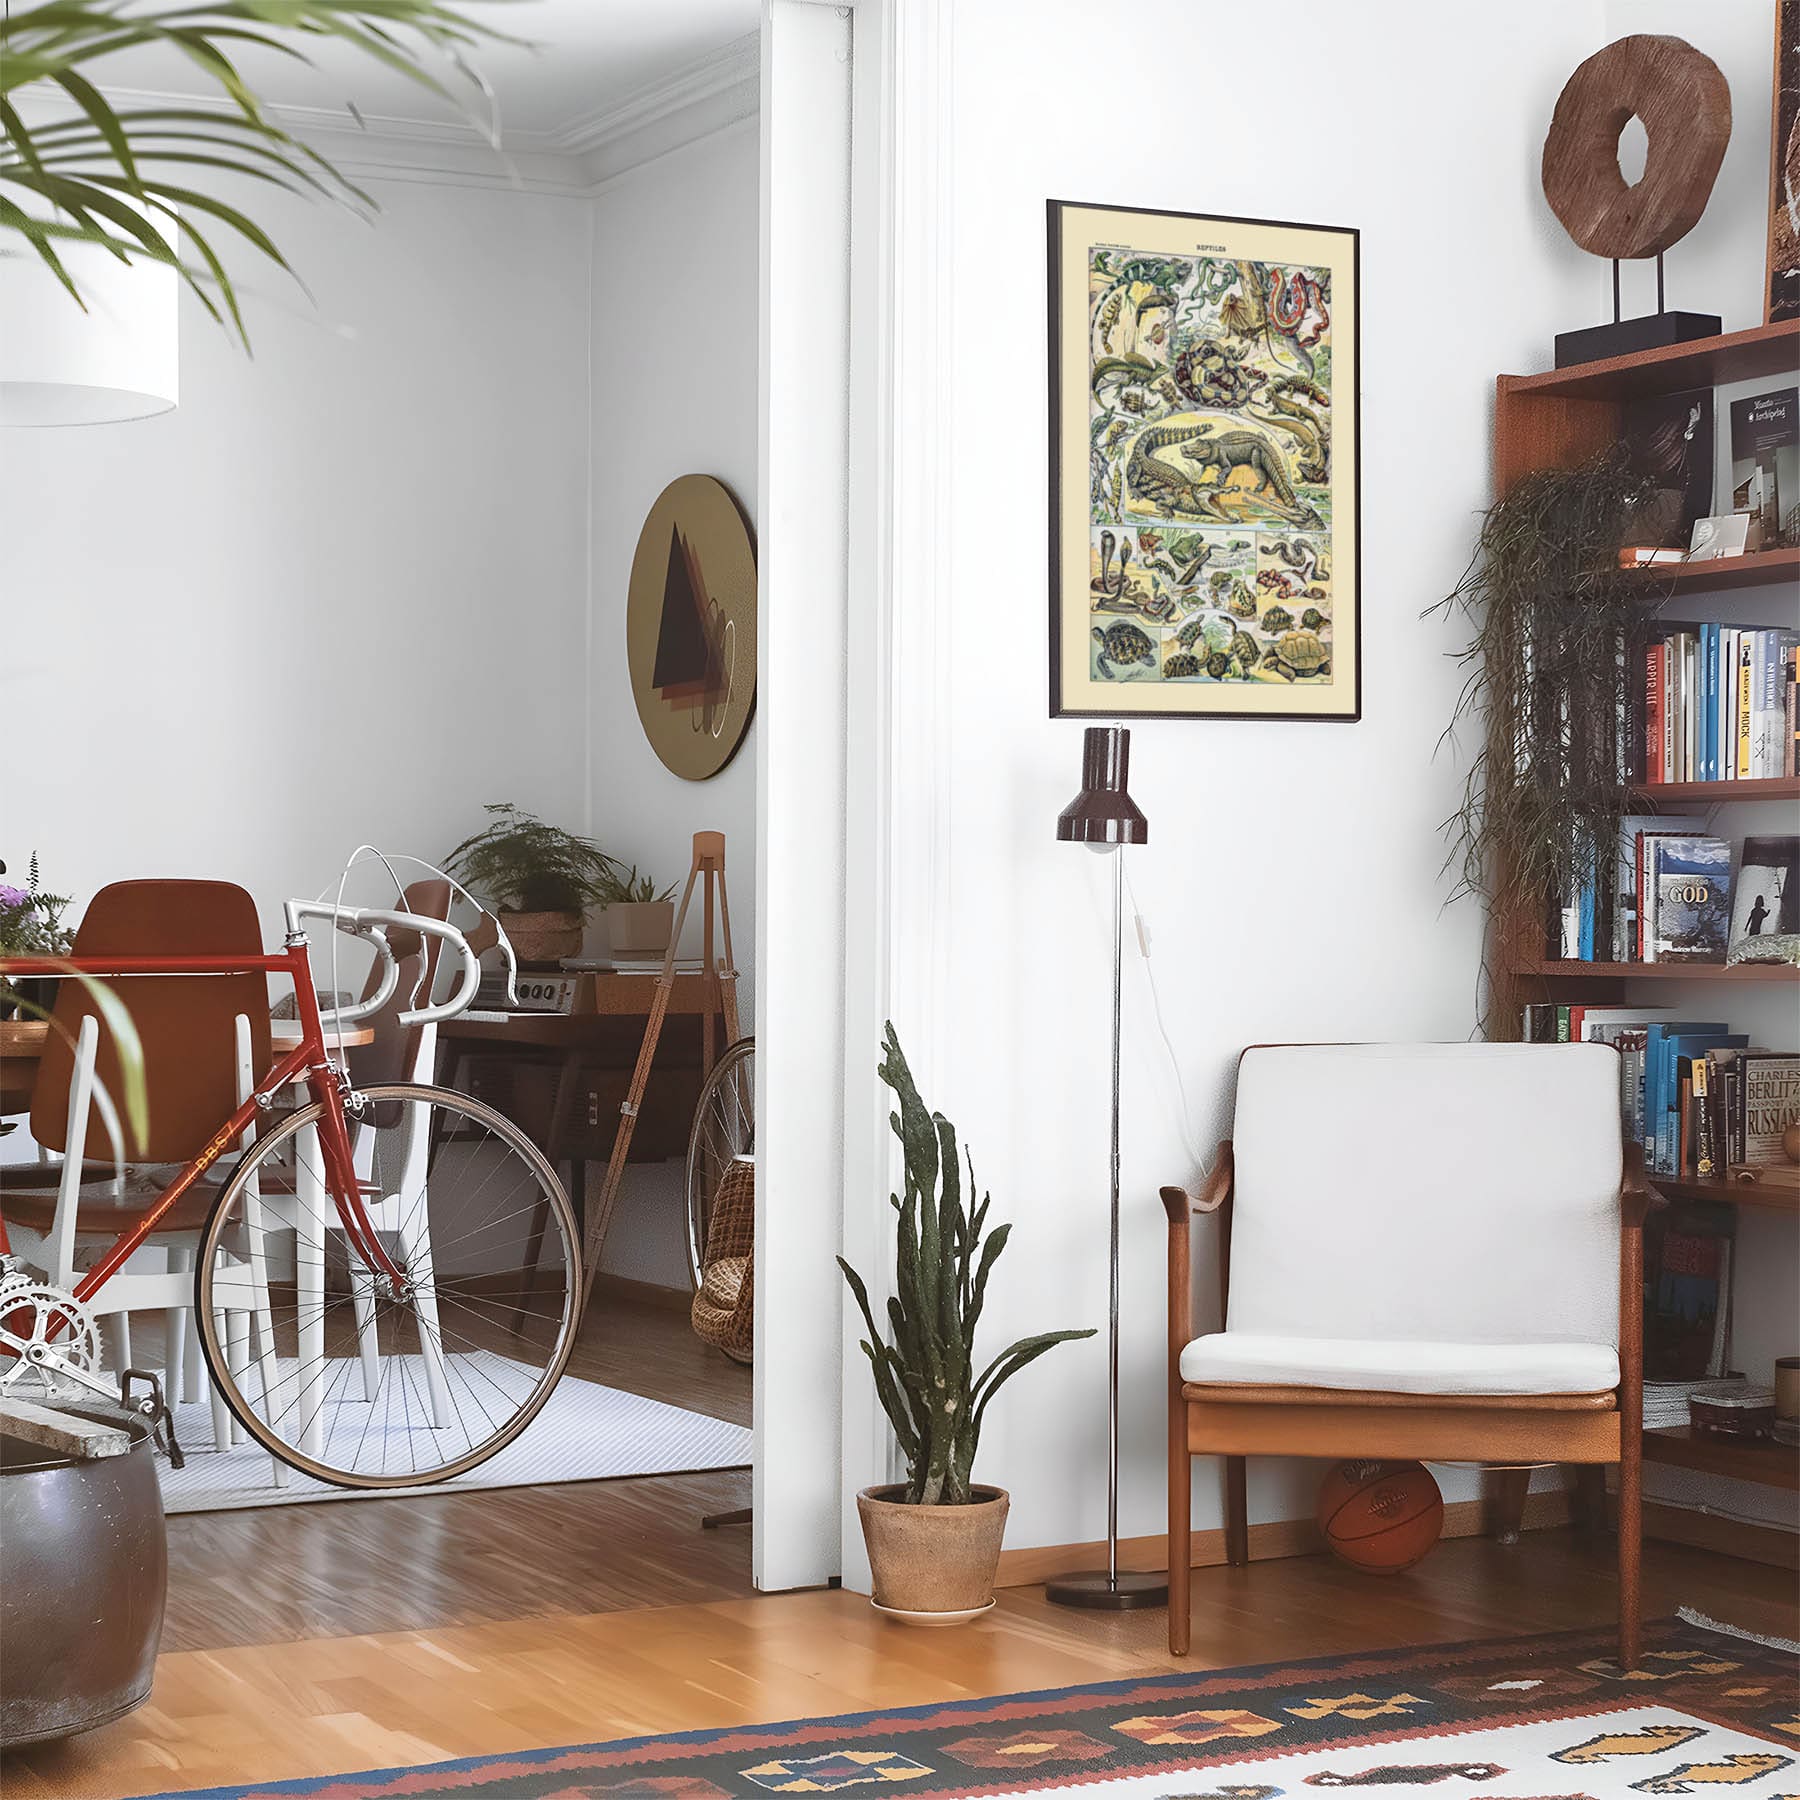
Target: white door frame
[{"x": 853, "y": 857}]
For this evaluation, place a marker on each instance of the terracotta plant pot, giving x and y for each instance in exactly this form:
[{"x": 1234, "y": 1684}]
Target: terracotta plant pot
[
  {"x": 640, "y": 928},
  {"x": 934, "y": 1565},
  {"x": 541, "y": 940}
]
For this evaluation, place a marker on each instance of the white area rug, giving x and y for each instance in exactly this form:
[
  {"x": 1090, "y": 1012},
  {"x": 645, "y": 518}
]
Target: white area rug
[{"x": 586, "y": 1432}]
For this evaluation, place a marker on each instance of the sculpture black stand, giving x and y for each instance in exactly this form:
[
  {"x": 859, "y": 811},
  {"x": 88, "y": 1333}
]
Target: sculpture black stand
[{"x": 1625, "y": 337}]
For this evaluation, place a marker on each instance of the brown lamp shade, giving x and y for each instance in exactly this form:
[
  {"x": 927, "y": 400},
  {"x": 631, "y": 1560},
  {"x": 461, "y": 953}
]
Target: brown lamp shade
[{"x": 1103, "y": 812}]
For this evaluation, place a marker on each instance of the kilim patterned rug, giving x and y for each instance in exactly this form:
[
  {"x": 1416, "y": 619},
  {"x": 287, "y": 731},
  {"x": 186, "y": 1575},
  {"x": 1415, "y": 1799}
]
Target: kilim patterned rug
[{"x": 1543, "y": 1718}]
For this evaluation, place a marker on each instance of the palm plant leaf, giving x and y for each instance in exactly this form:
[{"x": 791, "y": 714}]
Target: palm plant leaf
[{"x": 120, "y": 179}]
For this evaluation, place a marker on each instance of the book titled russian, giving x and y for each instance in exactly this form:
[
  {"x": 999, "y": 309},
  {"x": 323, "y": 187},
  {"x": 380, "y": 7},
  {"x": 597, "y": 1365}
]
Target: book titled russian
[
  {"x": 1689, "y": 881},
  {"x": 1770, "y": 1098},
  {"x": 1765, "y": 458}
]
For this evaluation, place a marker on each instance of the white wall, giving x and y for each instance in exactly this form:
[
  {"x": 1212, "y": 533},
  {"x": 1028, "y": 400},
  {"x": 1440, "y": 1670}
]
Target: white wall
[
  {"x": 375, "y": 528},
  {"x": 1292, "y": 880},
  {"x": 674, "y": 345}
]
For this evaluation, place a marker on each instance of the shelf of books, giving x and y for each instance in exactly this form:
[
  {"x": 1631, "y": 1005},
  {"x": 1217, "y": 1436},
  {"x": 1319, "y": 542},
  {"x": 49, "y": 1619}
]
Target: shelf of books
[{"x": 1675, "y": 955}]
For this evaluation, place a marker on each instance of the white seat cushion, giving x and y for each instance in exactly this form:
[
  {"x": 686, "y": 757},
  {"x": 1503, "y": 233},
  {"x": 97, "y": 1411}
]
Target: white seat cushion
[{"x": 1392, "y": 1366}]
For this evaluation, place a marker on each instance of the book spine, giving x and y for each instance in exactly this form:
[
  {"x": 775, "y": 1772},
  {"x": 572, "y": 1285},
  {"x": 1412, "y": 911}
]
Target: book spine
[
  {"x": 1668, "y": 708},
  {"x": 1653, "y": 719},
  {"x": 1791, "y": 747},
  {"x": 1727, "y": 751},
  {"x": 1690, "y": 703},
  {"x": 1647, "y": 904},
  {"x": 1705, "y": 1162},
  {"x": 1684, "y": 1124},
  {"x": 1709, "y": 700},
  {"x": 1562, "y": 1024},
  {"x": 1742, "y": 768}
]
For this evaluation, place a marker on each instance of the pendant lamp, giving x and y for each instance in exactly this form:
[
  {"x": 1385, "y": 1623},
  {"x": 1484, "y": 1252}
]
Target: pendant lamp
[{"x": 59, "y": 365}]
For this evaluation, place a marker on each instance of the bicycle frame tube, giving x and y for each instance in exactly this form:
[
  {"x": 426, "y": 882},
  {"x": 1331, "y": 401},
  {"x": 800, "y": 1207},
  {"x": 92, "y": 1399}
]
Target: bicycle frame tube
[{"x": 308, "y": 1059}]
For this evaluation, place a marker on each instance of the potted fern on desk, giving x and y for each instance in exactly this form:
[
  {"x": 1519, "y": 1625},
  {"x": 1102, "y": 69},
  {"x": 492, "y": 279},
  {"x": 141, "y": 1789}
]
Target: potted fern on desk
[
  {"x": 542, "y": 878},
  {"x": 934, "y": 1539}
]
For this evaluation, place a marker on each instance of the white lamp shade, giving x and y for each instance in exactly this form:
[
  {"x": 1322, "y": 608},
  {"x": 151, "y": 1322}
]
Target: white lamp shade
[{"x": 61, "y": 366}]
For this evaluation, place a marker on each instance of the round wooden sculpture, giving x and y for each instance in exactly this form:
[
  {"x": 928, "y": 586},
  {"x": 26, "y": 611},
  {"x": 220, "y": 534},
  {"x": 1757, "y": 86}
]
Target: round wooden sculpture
[
  {"x": 690, "y": 626},
  {"x": 1685, "y": 105},
  {"x": 1380, "y": 1517}
]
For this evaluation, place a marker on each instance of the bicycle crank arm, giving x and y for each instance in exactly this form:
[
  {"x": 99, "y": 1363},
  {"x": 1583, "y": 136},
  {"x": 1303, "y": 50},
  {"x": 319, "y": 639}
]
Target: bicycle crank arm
[{"x": 47, "y": 1357}]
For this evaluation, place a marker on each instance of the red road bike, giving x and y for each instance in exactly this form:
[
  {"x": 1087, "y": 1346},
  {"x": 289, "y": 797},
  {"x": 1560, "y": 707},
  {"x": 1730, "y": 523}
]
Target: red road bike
[{"x": 388, "y": 1279}]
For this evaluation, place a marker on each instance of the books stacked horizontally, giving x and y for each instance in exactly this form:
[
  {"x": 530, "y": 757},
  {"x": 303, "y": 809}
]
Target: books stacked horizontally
[
  {"x": 1666, "y": 1402},
  {"x": 1677, "y": 894},
  {"x": 1719, "y": 704},
  {"x": 1699, "y": 1097}
]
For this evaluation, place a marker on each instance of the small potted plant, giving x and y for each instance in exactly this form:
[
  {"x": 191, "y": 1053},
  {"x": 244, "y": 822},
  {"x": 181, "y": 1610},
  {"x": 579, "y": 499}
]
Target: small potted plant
[
  {"x": 542, "y": 878},
  {"x": 30, "y": 925},
  {"x": 934, "y": 1539},
  {"x": 639, "y": 920}
]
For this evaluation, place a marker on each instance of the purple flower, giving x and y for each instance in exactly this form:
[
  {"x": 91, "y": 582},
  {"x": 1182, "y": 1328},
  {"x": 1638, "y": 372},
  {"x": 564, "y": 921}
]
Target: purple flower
[{"x": 12, "y": 897}]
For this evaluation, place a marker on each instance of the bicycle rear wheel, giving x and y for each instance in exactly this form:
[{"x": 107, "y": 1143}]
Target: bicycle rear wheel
[
  {"x": 724, "y": 1127},
  {"x": 337, "y": 1370}
]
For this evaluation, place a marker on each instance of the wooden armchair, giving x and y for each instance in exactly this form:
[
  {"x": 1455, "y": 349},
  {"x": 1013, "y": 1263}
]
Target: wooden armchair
[{"x": 1429, "y": 1251}]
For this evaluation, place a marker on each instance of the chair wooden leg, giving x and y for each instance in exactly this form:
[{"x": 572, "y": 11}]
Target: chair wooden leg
[
  {"x": 1590, "y": 1499},
  {"x": 1237, "y": 1513},
  {"x": 1630, "y": 1553},
  {"x": 1181, "y": 1525},
  {"x": 1506, "y": 1502}
]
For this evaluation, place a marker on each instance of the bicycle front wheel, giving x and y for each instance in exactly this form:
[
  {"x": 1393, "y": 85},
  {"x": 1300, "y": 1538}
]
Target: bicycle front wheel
[{"x": 358, "y": 1379}]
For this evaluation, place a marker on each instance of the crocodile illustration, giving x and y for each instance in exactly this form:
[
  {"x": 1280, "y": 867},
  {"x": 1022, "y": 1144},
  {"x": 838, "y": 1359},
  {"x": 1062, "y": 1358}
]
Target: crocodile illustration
[
  {"x": 1230, "y": 451},
  {"x": 1166, "y": 483}
]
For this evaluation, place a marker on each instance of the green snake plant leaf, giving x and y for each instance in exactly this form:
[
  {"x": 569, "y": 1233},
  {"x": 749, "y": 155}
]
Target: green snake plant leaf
[{"x": 943, "y": 1258}]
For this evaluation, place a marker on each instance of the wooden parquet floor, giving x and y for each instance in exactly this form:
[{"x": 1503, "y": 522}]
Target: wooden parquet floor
[
  {"x": 315, "y": 1640},
  {"x": 329, "y": 1705}
]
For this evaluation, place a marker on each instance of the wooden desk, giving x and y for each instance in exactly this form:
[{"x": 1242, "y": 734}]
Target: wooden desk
[{"x": 562, "y": 1076}]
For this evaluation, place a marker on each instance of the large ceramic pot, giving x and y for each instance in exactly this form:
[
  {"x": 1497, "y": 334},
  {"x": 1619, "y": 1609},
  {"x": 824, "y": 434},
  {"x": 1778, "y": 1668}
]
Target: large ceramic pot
[
  {"x": 540, "y": 940},
  {"x": 85, "y": 1572},
  {"x": 933, "y": 1565}
]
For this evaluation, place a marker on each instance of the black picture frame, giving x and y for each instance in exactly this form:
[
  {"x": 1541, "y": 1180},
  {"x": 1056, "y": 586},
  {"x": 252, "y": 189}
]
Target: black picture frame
[{"x": 1113, "y": 703}]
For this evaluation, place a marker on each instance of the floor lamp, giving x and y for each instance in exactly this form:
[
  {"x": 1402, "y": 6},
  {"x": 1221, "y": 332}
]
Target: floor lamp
[{"x": 1104, "y": 817}]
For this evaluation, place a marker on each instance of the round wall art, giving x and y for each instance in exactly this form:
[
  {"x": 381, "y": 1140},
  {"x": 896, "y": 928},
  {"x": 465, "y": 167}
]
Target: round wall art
[{"x": 690, "y": 626}]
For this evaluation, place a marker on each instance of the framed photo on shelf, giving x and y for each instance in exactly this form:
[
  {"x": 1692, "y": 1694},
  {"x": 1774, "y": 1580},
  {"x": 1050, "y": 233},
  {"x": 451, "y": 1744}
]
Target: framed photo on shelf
[{"x": 1204, "y": 481}]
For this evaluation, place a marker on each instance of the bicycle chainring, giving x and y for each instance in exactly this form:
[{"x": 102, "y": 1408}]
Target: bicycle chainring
[{"x": 34, "y": 1312}]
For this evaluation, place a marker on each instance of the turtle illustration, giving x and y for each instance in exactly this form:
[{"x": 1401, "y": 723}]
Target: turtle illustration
[
  {"x": 1180, "y": 667},
  {"x": 1189, "y": 634},
  {"x": 1244, "y": 649},
  {"x": 1277, "y": 619},
  {"x": 1218, "y": 665},
  {"x": 1297, "y": 656},
  {"x": 1311, "y": 619},
  {"x": 1122, "y": 643}
]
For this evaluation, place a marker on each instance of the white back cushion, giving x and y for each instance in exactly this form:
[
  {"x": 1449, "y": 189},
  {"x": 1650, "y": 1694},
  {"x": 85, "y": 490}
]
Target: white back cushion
[{"x": 1456, "y": 1192}]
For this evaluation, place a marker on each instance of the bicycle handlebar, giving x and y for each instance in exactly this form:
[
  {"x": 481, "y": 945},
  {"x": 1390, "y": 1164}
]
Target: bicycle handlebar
[{"x": 373, "y": 925}]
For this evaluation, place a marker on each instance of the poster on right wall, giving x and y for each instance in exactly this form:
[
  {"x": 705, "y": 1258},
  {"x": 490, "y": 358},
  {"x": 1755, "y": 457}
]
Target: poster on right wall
[{"x": 1784, "y": 168}]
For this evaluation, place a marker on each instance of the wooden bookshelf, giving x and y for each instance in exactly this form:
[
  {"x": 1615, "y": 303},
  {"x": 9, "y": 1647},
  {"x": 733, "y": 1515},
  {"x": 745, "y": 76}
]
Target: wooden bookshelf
[
  {"x": 1743, "y": 1459},
  {"x": 1765, "y": 1197},
  {"x": 1763, "y": 350},
  {"x": 1757, "y": 568},
  {"x": 1711, "y": 793},
  {"x": 1551, "y": 970},
  {"x": 1559, "y": 420}
]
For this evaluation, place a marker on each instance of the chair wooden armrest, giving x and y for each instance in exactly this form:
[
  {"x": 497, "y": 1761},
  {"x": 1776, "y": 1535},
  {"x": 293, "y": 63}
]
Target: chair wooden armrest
[{"x": 1179, "y": 1204}]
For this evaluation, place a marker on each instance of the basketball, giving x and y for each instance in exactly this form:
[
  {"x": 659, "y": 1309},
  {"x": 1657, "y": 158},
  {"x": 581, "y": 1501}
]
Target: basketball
[{"x": 1380, "y": 1517}]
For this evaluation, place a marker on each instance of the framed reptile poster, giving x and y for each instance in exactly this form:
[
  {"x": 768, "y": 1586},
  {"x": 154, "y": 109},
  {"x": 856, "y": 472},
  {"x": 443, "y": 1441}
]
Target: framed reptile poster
[{"x": 1203, "y": 467}]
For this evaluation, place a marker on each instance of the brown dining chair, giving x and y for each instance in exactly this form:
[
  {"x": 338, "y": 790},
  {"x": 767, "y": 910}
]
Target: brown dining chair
[
  {"x": 1426, "y": 1251},
  {"x": 197, "y": 1036}
]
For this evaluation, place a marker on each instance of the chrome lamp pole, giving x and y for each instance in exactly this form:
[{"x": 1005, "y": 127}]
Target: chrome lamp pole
[{"x": 1105, "y": 818}]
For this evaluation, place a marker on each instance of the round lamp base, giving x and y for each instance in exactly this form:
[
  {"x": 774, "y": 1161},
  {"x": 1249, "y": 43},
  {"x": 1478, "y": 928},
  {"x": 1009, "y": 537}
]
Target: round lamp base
[{"x": 1095, "y": 1590}]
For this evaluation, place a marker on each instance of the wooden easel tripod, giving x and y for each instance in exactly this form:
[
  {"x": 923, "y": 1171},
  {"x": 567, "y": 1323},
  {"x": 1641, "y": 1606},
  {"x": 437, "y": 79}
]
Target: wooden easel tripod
[{"x": 720, "y": 978}]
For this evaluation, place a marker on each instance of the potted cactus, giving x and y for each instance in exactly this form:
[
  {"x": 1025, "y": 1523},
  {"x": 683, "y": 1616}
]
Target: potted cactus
[{"x": 934, "y": 1539}]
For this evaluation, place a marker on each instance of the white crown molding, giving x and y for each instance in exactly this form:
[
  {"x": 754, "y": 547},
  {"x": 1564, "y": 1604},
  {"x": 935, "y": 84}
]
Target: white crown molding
[
  {"x": 721, "y": 73},
  {"x": 709, "y": 95}
]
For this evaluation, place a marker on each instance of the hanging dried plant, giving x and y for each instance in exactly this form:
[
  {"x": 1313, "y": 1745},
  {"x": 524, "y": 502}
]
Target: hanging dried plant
[{"x": 1548, "y": 681}]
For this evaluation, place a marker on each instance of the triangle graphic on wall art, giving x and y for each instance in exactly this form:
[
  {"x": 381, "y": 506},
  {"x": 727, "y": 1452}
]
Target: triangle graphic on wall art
[{"x": 687, "y": 666}]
